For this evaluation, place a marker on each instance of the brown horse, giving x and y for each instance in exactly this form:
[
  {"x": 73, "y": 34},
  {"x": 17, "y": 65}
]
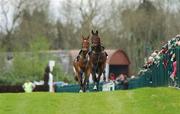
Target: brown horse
[
  {"x": 80, "y": 65},
  {"x": 97, "y": 59}
]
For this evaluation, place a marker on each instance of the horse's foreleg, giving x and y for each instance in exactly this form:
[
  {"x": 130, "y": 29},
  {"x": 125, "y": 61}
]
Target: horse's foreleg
[
  {"x": 80, "y": 82},
  {"x": 84, "y": 84},
  {"x": 98, "y": 80},
  {"x": 87, "y": 85},
  {"x": 103, "y": 71},
  {"x": 86, "y": 80}
]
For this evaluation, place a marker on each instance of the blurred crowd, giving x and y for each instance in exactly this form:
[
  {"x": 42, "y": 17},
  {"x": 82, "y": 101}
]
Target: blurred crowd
[{"x": 166, "y": 56}]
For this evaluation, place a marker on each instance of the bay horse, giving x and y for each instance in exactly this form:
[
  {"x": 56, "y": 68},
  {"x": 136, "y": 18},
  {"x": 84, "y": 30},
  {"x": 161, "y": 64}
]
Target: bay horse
[
  {"x": 97, "y": 59},
  {"x": 80, "y": 66}
]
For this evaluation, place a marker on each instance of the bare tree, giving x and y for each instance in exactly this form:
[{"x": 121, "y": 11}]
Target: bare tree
[
  {"x": 79, "y": 18},
  {"x": 10, "y": 21},
  {"x": 12, "y": 13}
]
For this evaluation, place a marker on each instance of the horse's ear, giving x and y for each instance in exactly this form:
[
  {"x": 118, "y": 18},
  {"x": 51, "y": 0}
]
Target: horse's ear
[
  {"x": 92, "y": 32},
  {"x": 96, "y": 32}
]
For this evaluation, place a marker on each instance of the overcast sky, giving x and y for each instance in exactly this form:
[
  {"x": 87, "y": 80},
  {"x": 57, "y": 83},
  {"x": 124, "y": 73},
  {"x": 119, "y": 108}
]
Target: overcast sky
[{"x": 54, "y": 6}]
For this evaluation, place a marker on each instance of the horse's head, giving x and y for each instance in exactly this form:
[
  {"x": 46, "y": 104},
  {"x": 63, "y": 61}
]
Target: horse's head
[
  {"x": 95, "y": 39},
  {"x": 85, "y": 43}
]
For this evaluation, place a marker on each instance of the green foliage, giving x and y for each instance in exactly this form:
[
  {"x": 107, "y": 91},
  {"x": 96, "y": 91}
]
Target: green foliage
[
  {"x": 31, "y": 68},
  {"x": 30, "y": 65},
  {"x": 39, "y": 44},
  {"x": 60, "y": 75},
  {"x": 25, "y": 66}
]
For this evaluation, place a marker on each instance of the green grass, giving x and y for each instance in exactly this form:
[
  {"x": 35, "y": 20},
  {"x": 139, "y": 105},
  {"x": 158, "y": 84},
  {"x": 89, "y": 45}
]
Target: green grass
[{"x": 137, "y": 101}]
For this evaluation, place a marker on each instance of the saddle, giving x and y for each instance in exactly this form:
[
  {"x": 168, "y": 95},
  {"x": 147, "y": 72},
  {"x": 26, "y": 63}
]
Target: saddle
[
  {"x": 80, "y": 54},
  {"x": 102, "y": 50}
]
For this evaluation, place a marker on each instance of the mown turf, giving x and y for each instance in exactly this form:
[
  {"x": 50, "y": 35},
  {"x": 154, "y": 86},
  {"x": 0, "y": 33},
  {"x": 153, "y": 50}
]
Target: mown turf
[{"x": 138, "y": 101}]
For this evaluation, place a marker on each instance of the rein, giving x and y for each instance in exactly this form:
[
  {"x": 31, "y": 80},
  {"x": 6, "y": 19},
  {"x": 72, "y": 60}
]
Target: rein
[{"x": 97, "y": 63}]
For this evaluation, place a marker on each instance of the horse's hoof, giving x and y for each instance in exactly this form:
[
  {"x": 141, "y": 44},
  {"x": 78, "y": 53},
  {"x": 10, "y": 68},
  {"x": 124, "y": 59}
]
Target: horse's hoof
[{"x": 80, "y": 91}]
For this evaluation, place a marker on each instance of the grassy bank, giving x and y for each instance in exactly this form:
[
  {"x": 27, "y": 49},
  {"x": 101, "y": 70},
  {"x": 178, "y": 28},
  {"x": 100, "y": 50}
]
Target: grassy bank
[{"x": 138, "y": 101}]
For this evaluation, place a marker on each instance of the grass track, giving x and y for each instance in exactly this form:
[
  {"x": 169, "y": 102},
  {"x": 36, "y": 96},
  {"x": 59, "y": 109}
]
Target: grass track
[{"x": 137, "y": 101}]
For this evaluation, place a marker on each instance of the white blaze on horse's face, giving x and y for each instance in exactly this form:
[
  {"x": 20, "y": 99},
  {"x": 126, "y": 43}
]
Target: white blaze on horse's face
[
  {"x": 85, "y": 44},
  {"x": 107, "y": 57}
]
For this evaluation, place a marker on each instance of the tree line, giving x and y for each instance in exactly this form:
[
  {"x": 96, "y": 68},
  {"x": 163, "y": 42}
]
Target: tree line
[{"x": 136, "y": 27}]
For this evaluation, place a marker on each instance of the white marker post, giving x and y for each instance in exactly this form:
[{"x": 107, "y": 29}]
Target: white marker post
[{"x": 50, "y": 81}]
